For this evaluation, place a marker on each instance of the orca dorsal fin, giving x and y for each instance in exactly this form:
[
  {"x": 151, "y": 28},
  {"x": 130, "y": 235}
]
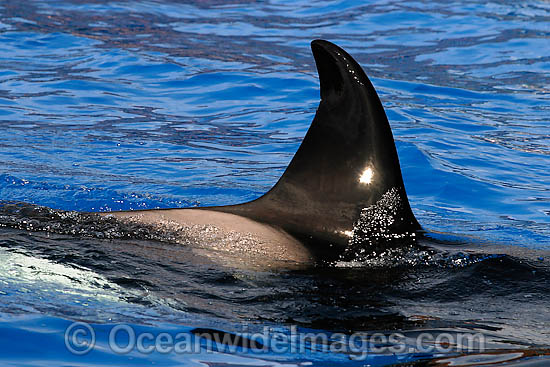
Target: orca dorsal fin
[{"x": 346, "y": 163}]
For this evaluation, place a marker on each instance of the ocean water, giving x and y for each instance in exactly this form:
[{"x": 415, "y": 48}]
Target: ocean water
[{"x": 155, "y": 104}]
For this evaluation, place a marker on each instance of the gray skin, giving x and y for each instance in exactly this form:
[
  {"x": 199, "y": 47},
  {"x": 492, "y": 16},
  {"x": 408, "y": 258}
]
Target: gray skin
[{"x": 346, "y": 164}]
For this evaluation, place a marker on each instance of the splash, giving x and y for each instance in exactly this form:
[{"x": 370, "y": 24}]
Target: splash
[
  {"x": 37, "y": 218},
  {"x": 379, "y": 229}
]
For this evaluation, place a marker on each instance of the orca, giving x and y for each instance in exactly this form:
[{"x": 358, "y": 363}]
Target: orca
[{"x": 342, "y": 189}]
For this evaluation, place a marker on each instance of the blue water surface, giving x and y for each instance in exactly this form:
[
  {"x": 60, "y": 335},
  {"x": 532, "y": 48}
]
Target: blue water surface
[{"x": 155, "y": 104}]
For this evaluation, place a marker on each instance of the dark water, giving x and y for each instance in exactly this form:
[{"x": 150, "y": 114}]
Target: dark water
[{"x": 130, "y": 105}]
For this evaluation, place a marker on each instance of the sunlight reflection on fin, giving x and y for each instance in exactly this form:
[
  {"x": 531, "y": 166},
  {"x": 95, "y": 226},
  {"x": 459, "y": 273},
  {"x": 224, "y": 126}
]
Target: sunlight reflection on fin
[{"x": 366, "y": 176}]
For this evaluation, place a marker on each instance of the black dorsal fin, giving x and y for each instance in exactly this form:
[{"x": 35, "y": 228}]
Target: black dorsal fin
[{"x": 346, "y": 163}]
